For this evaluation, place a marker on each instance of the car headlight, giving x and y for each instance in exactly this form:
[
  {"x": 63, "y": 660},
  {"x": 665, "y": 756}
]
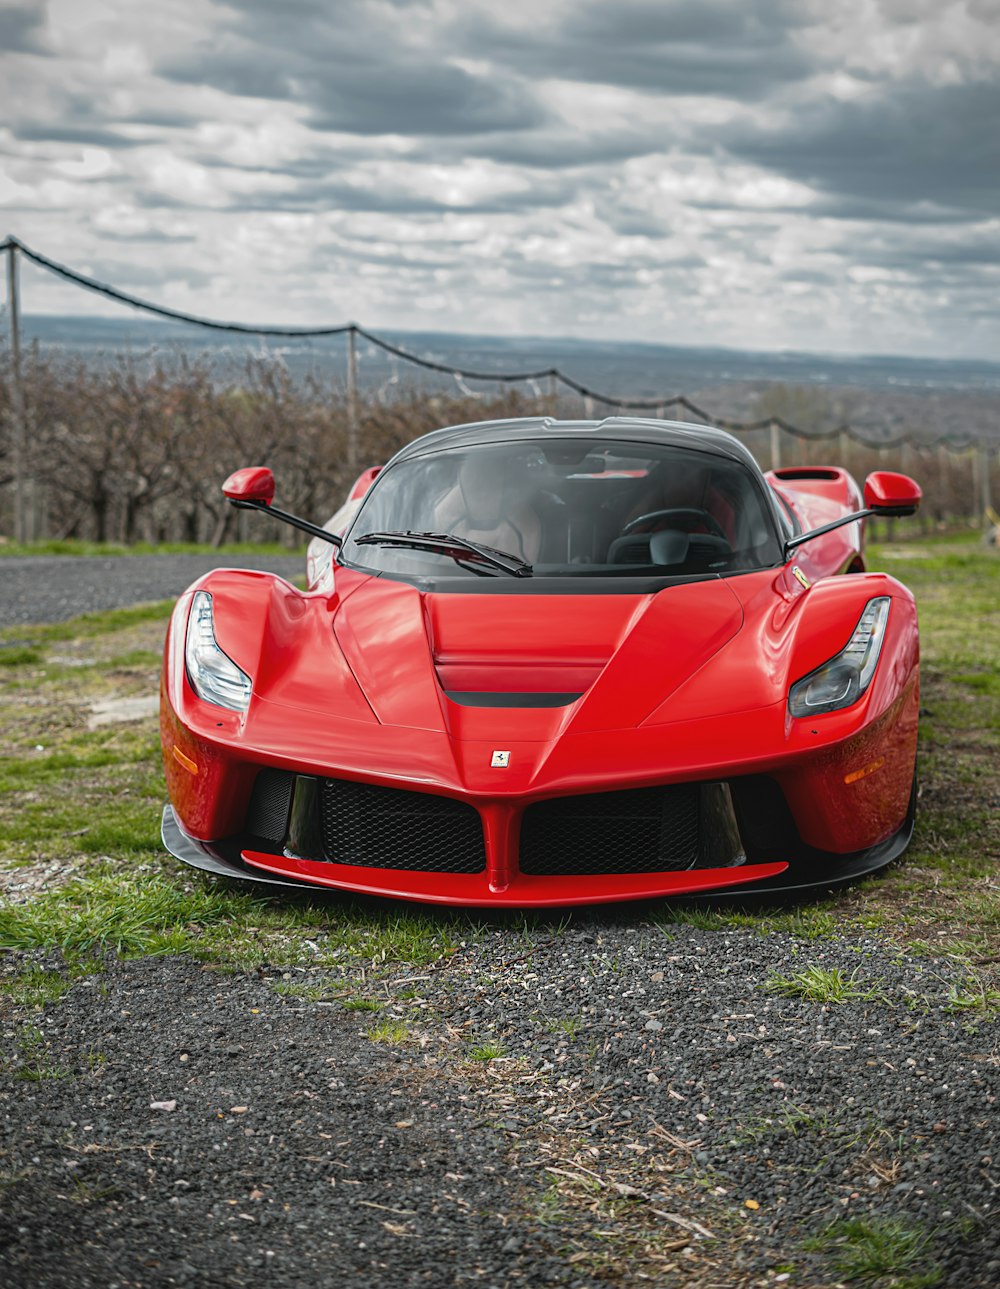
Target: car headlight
[
  {"x": 841, "y": 681},
  {"x": 213, "y": 674}
]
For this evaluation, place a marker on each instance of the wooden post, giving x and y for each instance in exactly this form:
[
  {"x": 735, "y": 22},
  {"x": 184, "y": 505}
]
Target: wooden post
[
  {"x": 985, "y": 499},
  {"x": 352, "y": 400},
  {"x": 775, "y": 446},
  {"x": 17, "y": 399},
  {"x": 944, "y": 480},
  {"x": 588, "y": 408},
  {"x": 553, "y": 398},
  {"x": 977, "y": 483},
  {"x": 905, "y": 463}
]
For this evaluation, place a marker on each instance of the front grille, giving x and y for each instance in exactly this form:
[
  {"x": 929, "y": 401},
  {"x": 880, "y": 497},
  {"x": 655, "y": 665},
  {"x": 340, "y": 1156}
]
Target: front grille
[
  {"x": 641, "y": 830},
  {"x": 391, "y": 828}
]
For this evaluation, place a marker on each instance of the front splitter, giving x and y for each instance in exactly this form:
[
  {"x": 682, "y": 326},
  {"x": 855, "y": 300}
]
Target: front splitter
[{"x": 463, "y": 890}]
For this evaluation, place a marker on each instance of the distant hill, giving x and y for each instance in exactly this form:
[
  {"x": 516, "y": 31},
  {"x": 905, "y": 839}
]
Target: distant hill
[{"x": 637, "y": 369}]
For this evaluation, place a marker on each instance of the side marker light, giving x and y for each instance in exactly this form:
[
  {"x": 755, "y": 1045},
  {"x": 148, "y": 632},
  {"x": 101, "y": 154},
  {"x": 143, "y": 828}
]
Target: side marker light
[
  {"x": 855, "y": 775},
  {"x": 181, "y": 759}
]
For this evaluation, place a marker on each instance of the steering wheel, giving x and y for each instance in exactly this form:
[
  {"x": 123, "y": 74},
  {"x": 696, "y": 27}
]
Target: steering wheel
[{"x": 693, "y": 514}]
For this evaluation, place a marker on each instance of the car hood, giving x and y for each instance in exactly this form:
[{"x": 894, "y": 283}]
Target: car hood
[{"x": 528, "y": 666}]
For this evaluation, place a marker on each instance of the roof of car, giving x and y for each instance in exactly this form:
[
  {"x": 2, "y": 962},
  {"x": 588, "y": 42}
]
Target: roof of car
[{"x": 632, "y": 429}]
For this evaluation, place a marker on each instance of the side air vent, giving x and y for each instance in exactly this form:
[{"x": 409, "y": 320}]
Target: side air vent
[
  {"x": 808, "y": 472},
  {"x": 267, "y": 816}
]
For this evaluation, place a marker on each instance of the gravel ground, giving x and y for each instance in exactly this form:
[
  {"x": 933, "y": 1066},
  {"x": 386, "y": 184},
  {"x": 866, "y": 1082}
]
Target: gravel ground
[
  {"x": 52, "y": 588},
  {"x": 652, "y": 1094}
]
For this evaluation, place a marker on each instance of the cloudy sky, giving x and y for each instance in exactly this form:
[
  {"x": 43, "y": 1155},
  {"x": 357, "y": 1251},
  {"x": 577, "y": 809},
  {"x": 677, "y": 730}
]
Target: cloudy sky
[{"x": 813, "y": 174}]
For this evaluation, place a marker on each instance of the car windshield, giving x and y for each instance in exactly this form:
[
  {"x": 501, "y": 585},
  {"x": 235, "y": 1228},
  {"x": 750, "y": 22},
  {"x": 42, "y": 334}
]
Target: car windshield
[{"x": 564, "y": 509}]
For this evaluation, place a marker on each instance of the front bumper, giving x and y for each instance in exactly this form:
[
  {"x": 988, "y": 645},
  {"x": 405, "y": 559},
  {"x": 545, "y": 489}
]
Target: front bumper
[{"x": 230, "y": 859}]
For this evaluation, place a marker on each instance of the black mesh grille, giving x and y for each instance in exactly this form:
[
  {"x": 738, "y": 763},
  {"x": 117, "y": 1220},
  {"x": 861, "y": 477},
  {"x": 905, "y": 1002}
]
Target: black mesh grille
[
  {"x": 392, "y": 828},
  {"x": 642, "y": 830},
  {"x": 267, "y": 815}
]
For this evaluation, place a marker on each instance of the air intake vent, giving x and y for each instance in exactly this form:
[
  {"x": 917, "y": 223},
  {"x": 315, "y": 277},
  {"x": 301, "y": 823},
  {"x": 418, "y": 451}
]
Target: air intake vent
[
  {"x": 641, "y": 830},
  {"x": 267, "y": 815},
  {"x": 375, "y": 827}
]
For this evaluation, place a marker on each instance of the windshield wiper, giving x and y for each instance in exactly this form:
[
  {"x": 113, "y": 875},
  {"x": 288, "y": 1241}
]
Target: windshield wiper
[{"x": 459, "y": 548}]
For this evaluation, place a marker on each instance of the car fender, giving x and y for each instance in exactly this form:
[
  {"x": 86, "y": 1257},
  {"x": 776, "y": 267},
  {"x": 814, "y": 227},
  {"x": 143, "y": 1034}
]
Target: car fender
[{"x": 283, "y": 639}]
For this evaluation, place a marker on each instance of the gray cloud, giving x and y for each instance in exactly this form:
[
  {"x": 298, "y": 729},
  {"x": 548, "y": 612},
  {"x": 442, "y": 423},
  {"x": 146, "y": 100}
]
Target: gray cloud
[
  {"x": 354, "y": 72},
  {"x": 415, "y": 266},
  {"x": 811, "y": 277},
  {"x": 677, "y": 167},
  {"x": 886, "y": 211},
  {"x": 128, "y": 275},
  {"x": 92, "y": 136},
  {"x": 153, "y": 237},
  {"x": 919, "y": 253},
  {"x": 21, "y": 28},
  {"x": 315, "y": 187},
  {"x": 698, "y": 47},
  {"x": 559, "y": 147},
  {"x": 908, "y": 144}
]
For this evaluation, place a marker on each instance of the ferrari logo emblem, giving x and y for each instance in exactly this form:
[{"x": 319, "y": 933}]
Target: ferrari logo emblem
[
  {"x": 500, "y": 760},
  {"x": 800, "y": 576}
]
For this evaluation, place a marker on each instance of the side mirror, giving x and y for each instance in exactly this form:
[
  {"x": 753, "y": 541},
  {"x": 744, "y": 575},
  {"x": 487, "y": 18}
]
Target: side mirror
[
  {"x": 887, "y": 494},
  {"x": 252, "y": 488},
  {"x": 253, "y": 483},
  {"x": 891, "y": 494}
]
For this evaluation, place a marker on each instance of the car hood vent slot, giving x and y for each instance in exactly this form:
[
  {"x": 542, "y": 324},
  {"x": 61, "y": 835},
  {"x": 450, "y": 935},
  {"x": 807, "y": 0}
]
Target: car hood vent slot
[{"x": 510, "y": 698}]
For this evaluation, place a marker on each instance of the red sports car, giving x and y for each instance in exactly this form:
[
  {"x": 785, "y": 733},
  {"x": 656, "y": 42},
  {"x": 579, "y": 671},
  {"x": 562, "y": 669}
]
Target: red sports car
[{"x": 547, "y": 662}]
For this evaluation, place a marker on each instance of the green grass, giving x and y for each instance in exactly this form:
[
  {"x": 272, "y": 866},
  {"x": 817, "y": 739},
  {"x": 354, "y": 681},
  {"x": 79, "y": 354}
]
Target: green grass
[
  {"x": 391, "y": 1032},
  {"x": 788, "y": 1119},
  {"x": 156, "y": 909},
  {"x": 145, "y": 913},
  {"x": 884, "y": 1253},
  {"x": 361, "y": 1005},
  {"x": 89, "y": 624},
  {"x": 36, "y": 986},
  {"x": 98, "y": 791},
  {"x": 824, "y": 985},
  {"x": 568, "y": 1025},
  {"x": 486, "y": 1052},
  {"x": 20, "y": 656},
  {"x": 974, "y": 994},
  {"x": 33, "y": 1064}
]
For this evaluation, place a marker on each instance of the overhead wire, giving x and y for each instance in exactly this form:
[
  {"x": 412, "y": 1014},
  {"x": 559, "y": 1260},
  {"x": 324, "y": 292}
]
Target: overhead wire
[{"x": 460, "y": 374}]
